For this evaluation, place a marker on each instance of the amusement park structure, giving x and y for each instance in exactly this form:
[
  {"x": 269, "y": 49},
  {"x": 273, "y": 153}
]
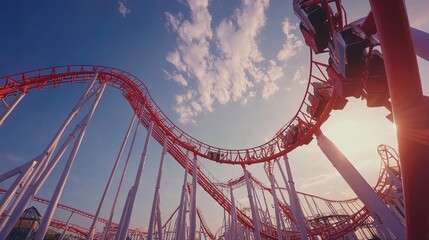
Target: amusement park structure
[{"x": 373, "y": 58}]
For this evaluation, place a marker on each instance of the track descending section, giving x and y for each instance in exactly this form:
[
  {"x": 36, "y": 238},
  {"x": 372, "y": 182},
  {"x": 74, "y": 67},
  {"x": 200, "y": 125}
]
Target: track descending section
[
  {"x": 333, "y": 219},
  {"x": 297, "y": 131},
  {"x": 355, "y": 68},
  {"x": 67, "y": 208}
]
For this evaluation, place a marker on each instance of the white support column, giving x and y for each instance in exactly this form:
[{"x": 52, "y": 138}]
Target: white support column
[
  {"x": 112, "y": 212},
  {"x": 30, "y": 189},
  {"x": 291, "y": 202},
  {"x": 247, "y": 233},
  {"x": 15, "y": 171},
  {"x": 193, "y": 213},
  {"x": 224, "y": 224},
  {"x": 38, "y": 176},
  {"x": 363, "y": 190},
  {"x": 234, "y": 215},
  {"x": 7, "y": 197},
  {"x": 182, "y": 205},
  {"x": 66, "y": 227},
  {"x": 184, "y": 231},
  {"x": 297, "y": 206},
  {"x": 283, "y": 221},
  {"x": 136, "y": 183},
  {"x": 268, "y": 215},
  {"x": 158, "y": 220},
  {"x": 255, "y": 215},
  {"x": 109, "y": 182},
  {"x": 279, "y": 220},
  {"x": 156, "y": 193},
  {"x": 10, "y": 108},
  {"x": 49, "y": 213},
  {"x": 229, "y": 235},
  {"x": 124, "y": 213}
]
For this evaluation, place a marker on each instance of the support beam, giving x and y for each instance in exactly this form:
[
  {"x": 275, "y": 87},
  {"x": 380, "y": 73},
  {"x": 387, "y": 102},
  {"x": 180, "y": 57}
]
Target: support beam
[
  {"x": 180, "y": 231},
  {"x": 124, "y": 213},
  {"x": 279, "y": 219},
  {"x": 139, "y": 174},
  {"x": 10, "y": 108},
  {"x": 63, "y": 234},
  {"x": 29, "y": 188},
  {"x": 297, "y": 207},
  {"x": 158, "y": 220},
  {"x": 193, "y": 213},
  {"x": 410, "y": 110},
  {"x": 255, "y": 215},
  {"x": 155, "y": 202},
  {"x": 291, "y": 202},
  {"x": 112, "y": 212},
  {"x": 7, "y": 197},
  {"x": 42, "y": 169},
  {"x": 49, "y": 213},
  {"x": 233, "y": 215},
  {"x": 15, "y": 171},
  {"x": 109, "y": 181},
  {"x": 363, "y": 190}
]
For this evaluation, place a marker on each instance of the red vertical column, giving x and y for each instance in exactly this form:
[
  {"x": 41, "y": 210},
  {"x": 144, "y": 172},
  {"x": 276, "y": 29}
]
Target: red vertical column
[{"x": 410, "y": 111}]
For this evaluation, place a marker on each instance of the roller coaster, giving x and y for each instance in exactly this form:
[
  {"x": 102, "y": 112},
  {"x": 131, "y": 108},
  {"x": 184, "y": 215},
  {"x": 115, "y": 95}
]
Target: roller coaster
[{"x": 362, "y": 62}]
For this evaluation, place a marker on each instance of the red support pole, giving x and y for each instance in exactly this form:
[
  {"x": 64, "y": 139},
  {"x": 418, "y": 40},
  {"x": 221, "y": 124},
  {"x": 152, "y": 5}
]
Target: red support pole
[{"x": 410, "y": 110}]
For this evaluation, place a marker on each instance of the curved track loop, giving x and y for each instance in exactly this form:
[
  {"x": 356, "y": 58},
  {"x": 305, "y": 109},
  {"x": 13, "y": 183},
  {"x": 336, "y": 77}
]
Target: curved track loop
[{"x": 301, "y": 126}]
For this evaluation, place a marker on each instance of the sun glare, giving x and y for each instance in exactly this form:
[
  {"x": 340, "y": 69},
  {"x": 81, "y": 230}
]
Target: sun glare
[{"x": 354, "y": 135}]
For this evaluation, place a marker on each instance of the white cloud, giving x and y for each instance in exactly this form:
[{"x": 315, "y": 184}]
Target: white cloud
[
  {"x": 123, "y": 9},
  {"x": 174, "y": 58},
  {"x": 318, "y": 180},
  {"x": 187, "y": 112},
  {"x": 172, "y": 21},
  {"x": 177, "y": 77},
  {"x": 275, "y": 72},
  {"x": 224, "y": 63},
  {"x": 297, "y": 76},
  {"x": 292, "y": 44}
]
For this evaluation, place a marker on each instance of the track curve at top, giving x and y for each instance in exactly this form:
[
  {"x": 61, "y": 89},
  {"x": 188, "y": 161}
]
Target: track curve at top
[{"x": 297, "y": 131}]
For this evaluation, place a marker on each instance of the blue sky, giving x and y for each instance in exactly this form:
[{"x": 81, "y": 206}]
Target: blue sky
[{"x": 230, "y": 73}]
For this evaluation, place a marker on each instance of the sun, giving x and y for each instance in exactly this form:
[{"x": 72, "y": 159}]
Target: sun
[{"x": 362, "y": 129}]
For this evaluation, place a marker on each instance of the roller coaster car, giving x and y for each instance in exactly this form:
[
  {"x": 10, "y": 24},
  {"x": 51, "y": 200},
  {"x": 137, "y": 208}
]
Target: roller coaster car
[
  {"x": 317, "y": 106},
  {"x": 349, "y": 53},
  {"x": 314, "y": 26},
  {"x": 295, "y": 131},
  {"x": 292, "y": 135},
  {"x": 344, "y": 87},
  {"x": 319, "y": 100},
  {"x": 213, "y": 156},
  {"x": 375, "y": 88}
]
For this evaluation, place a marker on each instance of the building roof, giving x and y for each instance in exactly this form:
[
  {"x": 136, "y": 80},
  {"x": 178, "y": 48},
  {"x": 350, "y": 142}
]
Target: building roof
[{"x": 31, "y": 213}]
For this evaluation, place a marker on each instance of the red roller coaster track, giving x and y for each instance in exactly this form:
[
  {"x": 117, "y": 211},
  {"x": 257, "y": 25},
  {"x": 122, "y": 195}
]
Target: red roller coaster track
[
  {"x": 327, "y": 231},
  {"x": 406, "y": 105},
  {"x": 139, "y": 98}
]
